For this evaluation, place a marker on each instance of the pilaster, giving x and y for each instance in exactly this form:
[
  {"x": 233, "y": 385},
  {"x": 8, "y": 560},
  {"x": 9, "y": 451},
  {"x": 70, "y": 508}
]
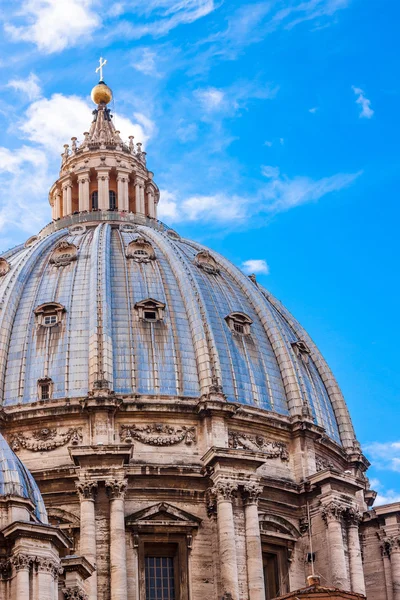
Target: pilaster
[
  {"x": 87, "y": 491},
  {"x": 255, "y": 574},
  {"x": 116, "y": 490}
]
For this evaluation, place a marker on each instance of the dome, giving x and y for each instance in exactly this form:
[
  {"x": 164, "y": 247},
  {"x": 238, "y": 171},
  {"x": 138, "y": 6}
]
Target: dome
[
  {"x": 16, "y": 480},
  {"x": 136, "y": 309}
]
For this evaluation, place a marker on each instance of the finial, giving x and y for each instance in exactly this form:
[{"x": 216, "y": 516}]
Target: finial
[
  {"x": 101, "y": 93},
  {"x": 99, "y": 69}
]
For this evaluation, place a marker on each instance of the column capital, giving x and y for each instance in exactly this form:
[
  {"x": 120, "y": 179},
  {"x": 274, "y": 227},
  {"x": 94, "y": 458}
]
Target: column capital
[
  {"x": 392, "y": 543},
  {"x": 116, "y": 489},
  {"x": 87, "y": 490},
  {"x": 251, "y": 492},
  {"x": 333, "y": 511},
  {"x": 83, "y": 178},
  {"x": 46, "y": 565},
  {"x": 122, "y": 176},
  {"x": 22, "y": 561},
  {"x": 74, "y": 593},
  {"x": 353, "y": 516},
  {"x": 224, "y": 490},
  {"x": 102, "y": 176}
]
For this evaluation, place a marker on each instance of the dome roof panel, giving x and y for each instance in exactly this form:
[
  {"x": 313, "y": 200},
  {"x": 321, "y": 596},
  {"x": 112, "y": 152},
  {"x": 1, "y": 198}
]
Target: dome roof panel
[{"x": 188, "y": 347}]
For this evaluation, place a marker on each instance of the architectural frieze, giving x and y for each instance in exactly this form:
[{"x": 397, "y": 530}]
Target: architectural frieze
[
  {"x": 46, "y": 439},
  {"x": 158, "y": 434},
  {"x": 258, "y": 443}
]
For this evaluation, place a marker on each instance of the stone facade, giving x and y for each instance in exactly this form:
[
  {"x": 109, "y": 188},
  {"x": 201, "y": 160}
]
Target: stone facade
[{"x": 177, "y": 419}]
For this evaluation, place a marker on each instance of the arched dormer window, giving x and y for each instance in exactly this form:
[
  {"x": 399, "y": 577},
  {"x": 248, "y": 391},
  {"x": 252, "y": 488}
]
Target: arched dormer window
[
  {"x": 95, "y": 200},
  {"x": 112, "y": 200},
  {"x": 49, "y": 314},
  {"x": 205, "y": 261},
  {"x": 150, "y": 310},
  {"x": 140, "y": 250},
  {"x": 239, "y": 323},
  {"x": 45, "y": 388},
  {"x": 4, "y": 267},
  {"x": 63, "y": 254}
]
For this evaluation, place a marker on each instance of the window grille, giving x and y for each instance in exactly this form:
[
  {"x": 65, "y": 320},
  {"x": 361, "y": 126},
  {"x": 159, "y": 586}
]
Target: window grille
[
  {"x": 112, "y": 200},
  {"x": 238, "y": 327},
  {"x": 150, "y": 315},
  {"x": 159, "y": 577},
  {"x": 50, "y": 319},
  {"x": 95, "y": 200},
  {"x": 44, "y": 391}
]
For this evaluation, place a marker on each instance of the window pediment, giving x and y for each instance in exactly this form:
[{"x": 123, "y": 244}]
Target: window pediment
[
  {"x": 150, "y": 310},
  {"x": 239, "y": 323},
  {"x": 64, "y": 254},
  {"x": 204, "y": 260},
  {"x": 140, "y": 250},
  {"x": 45, "y": 388},
  {"x": 162, "y": 515},
  {"x": 49, "y": 314},
  {"x": 4, "y": 267}
]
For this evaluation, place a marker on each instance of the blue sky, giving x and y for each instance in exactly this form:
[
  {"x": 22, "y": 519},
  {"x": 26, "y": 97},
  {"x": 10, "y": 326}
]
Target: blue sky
[{"x": 273, "y": 132}]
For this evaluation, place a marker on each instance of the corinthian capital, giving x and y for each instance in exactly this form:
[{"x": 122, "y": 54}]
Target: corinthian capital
[
  {"x": 21, "y": 561},
  {"x": 332, "y": 511},
  {"x": 116, "y": 488},
  {"x": 393, "y": 543},
  {"x": 353, "y": 516},
  {"x": 252, "y": 492},
  {"x": 87, "y": 490},
  {"x": 74, "y": 593},
  {"x": 224, "y": 490}
]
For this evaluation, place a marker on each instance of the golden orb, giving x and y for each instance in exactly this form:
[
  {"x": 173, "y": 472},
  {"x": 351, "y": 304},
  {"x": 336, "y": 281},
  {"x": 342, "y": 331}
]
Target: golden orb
[{"x": 101, "y": 93}]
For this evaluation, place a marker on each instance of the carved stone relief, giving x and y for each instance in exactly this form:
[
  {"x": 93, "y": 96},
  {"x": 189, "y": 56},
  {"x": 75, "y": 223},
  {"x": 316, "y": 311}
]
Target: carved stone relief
[
  {"x": 323, "y": 463},
  {"x": 140, "y": 250},
  {"x": 158, "y": 434},
  {"x": 46, "y": 439},
  {"x": 4, "y": 267},
  {"x": 63, "y": 254},
  {"x": 258, "y": 443}
]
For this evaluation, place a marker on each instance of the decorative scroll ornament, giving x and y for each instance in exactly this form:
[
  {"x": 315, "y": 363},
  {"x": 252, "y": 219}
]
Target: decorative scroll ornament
[
  {"x": 63, "y": 254},
  {"x": 46, "y": 439},
  {"x": 257, "y": 443},
  {"x": 322, "y": 463},
  {"x": 158, "y": 434},
  {"x": 4, "y": 267}
]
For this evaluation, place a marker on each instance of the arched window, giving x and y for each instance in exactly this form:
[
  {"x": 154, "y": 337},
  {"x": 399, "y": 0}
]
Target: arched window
[
  {"x": 95, "y": 200},
  {"x": 112, "y": 200}
]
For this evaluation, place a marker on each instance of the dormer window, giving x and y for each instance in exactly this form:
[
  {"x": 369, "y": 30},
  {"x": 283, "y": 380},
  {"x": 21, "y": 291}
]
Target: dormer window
[
  {"x": 64, "y": 254},
  {"x": 140, "y": 250},
  {"x": 150, "y": 310},
  {"x": 4, "y": 267},
  {"x": 45, "y": 388},
  {"x": 31, "y": 241},
  {"x": 204, "y": 260},
  {"x": 239, "y": 323},
  {"x": 49, "y": 314}
]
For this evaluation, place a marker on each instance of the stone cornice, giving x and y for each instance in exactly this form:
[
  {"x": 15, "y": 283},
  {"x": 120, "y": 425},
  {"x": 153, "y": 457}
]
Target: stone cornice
[
  {"x": 20, "y": 529},
  {"x": 77, "y": 564}
]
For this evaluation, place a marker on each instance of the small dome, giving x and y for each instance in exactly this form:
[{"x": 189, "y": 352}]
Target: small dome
[
  {"x": 16, "y": 480},
  {"x": 101, "y": 93}
]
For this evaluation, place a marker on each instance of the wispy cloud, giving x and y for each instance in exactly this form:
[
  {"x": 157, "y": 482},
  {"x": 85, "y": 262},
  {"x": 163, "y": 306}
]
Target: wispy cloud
[
  {"x": 385, "y": 455},
  {"x": 385, "y": 495},
  {"x": 217, "y": 208},
  {"x": 228, "y": 101},
  {"x": 255, "y": 265},
  {"x": 313, "y": 110},
  {"x": 366, "y": 110},
  {"x": 53, "y": 25},
  {"x": 29, "y": 86},
  {"x": 146, "y": 61}
]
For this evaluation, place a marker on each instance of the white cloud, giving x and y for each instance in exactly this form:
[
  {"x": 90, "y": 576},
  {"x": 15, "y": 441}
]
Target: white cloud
[
  {"x": 366, "y": 110},
  {"x": 313, "y": 110},
  {"x": 28, "y": 86},
  {"x": 268, "y": 143},
  {"x": 53, "y": 24},
  {"x": 146, "y": 62},
  {"x": 282, "y": 193},
  {"x": 385, "y": 455},
  {"x": 217, "y": 208},
  {"x": 210, "y": 99},
  {"x": 255, "y": 265},
  {"x": 270, "y": 172},
  {"x": 52, "y": 122},
  {"x": 385, "y": 496}
]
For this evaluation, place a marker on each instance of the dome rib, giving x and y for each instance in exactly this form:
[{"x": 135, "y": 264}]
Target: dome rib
[
  {"x": 208, "y": 365},
  {"x": 10, "y": 301}
]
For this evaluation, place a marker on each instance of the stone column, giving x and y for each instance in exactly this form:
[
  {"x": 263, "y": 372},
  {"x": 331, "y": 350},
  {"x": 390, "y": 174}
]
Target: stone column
[
  {"x": 47, "y": 573},
  {"x": 224, "y": 491},
  {"x": 87, "y": 491},
  {"x": 395, "y": 563},
  {"x": 67, "y": 198},
  {"x": 255, "y": 571},
  {"x": 150, "y": 202},
  {"x": 84, "y": 200},
  {"x": 332, "y": 515},
  {"x": 139, "y": 196},
  {"x": 22, "y": 565},
  {"x": 116, "y": 492},
  {"x": 123, "y": 194},
  {"x": 104, "y": 200},
  {"x": 387, "y": 569},
  {"x": 57, "y": 205},
  {"x": 353, "y": 516}
]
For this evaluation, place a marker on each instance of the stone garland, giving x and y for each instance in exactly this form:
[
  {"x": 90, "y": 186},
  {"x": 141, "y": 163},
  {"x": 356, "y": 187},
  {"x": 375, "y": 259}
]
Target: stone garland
[
  {"x": 158, "y": 434},
  {"x": 257, "y": 443},
  {"x": 46, "y": 439}
]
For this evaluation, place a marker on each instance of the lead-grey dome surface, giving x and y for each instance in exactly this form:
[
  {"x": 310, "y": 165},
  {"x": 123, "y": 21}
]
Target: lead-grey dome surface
[{"x": 101, "y": 339}]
